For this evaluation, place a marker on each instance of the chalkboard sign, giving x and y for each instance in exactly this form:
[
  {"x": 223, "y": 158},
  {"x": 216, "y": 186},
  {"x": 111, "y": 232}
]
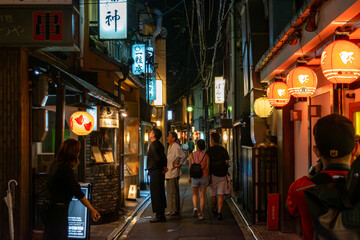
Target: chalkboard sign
[{"x": 79, "y": 217}]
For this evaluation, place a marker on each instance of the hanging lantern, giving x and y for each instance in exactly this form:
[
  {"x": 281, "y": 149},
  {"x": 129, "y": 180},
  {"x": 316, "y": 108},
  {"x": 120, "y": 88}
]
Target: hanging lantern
[
  {"x": 263, "y": 108},
  {"x": 340, "y": 62},
  {"x": 302, "y": 82},
  {"x": 81, "y": 123},
  {"x": 278, "y": 94}
]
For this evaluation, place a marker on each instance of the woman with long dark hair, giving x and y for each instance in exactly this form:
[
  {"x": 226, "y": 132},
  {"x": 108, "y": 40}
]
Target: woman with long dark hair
[{"x": 61, "y": 187}]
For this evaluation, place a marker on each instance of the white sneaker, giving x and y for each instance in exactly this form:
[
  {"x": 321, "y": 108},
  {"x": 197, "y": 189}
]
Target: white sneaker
[
  {"x": 201, "y": 217},
  {"x": 195, "y": 212}
]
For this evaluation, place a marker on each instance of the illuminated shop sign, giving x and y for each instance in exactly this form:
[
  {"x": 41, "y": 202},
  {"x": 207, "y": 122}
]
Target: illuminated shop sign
[
  {"x": 112, "y": 19},
  {"x": 159, "y": 93},
  {"x": 94, "y": 112},
  {"x": 219, "y": 90},
  {"x": 149, "y": 59},
  {"x": 78, "y": 216},
  {"x": 151, "y": 89},
  {"x": 170, "y": 115},
  {"x": 109, "y": 118},
  {"x": 138, "y": 54}
]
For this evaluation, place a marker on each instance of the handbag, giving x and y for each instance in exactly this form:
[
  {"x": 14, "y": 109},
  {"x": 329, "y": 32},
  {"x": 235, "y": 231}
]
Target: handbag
[{"x": 229, "y": 191}]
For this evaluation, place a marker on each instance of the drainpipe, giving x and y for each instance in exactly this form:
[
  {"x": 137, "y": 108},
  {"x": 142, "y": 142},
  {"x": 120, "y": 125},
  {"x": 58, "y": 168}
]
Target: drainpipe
[{"x": 157, "y": 30}]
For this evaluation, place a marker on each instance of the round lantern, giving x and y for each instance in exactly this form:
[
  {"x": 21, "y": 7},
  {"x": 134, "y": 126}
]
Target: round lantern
[
  {"x": 262, "y": 107},
  {"x": 340, "y": 62},
  {"x": 81, "y": 123},
  {"x": 302, "y": 82},
  {"x": 278, "y": 94}
]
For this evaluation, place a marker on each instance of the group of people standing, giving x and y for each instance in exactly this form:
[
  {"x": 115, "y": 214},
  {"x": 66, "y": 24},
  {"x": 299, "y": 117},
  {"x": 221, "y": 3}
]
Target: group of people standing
[{"x": 166, "y": 168}]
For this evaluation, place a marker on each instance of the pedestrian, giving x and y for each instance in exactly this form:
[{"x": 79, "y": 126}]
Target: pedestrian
[
  {"x": 199, "y": 157},
  {"x": 156, "y": 165},
  {"x": 218, "y": 167},
  {"x": 60, "y": 188},
  {"x": 335, "y": 140},
  {"x": 175, "y": 158},
  {"x": 191, "y": 145}
]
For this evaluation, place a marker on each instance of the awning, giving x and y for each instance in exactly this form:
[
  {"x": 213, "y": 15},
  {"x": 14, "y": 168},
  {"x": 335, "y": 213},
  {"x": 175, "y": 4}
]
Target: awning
[
  {"x": 93, "y": 91},
  {"x": 74, "y": 80}
]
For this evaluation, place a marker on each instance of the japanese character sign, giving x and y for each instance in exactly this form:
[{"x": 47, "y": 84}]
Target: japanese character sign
[
  {"x": 112, "y": 19},
  {"x": 48, "y": 26},
  {"x": 151, "y": 89},
  {"x": 138, "y": 54},
  {"x": 219, "y": 90},
  {"x": 149, "y": 59}
]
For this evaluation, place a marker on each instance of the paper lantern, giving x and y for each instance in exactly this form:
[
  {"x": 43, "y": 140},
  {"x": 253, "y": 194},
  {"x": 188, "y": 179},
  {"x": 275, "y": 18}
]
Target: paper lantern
[
  {"x": 340, "y": 62},
  {"x": 81, "y": 123},
  {"x": 278, "y": 94},
  {"x": 263, "y": 108},
  {"x": 302, "y": 82}
]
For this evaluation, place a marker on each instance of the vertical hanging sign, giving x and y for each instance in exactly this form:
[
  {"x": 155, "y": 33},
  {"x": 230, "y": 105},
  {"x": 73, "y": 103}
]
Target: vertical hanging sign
[
  {"x": 159, "y": 93},
  {"x": 112, "y": 19},
  {"x": 151, "y": 89},
  {"x": 138, "y": 54},
  {"x": 149, "y": 59},
  {"x": 219, "y": 90}
]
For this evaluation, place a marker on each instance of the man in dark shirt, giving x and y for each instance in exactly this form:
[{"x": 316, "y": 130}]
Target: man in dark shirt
[
  {"x": 156, "y": 165},
  {"x": 219, "y": 163}
]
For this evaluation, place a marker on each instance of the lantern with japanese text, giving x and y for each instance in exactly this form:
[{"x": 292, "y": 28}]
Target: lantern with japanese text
[
  {"x": 302, "y": 82},
  {"x": 340, "y": 62},
  {"x": 263, "y": 108},
  {"x": 81, "y": 123},
  {"x": 278, "y": 94}
]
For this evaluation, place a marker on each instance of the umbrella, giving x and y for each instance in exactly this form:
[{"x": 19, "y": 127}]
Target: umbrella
[{"x": 9, "y": 202}]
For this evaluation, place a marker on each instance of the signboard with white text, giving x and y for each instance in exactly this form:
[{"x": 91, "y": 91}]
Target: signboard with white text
[
  {"x": 159, "y": 93},
  {"x": 112, "y": 19},
  {"x": 138, "y": 54},
  {"x": 151, "y": 89},
  {"x": 219, "y": 90},
  {"x": 149, "y": 59}
]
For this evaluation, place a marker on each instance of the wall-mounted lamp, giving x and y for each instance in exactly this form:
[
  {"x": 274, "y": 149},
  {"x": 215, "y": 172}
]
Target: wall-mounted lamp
[
  {"x": 295, "y": 115},
  {"x": 146, "y": 137},
  {"x": 225, "y": 137},
  {"x": 124, "y": 114},
  {"x": 311, "y": 24},
  {"x": 158, "y": 123}
]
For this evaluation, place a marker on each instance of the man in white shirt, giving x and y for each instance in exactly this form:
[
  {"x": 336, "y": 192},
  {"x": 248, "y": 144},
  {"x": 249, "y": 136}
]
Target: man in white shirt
[{"x": 175, "y": 158}]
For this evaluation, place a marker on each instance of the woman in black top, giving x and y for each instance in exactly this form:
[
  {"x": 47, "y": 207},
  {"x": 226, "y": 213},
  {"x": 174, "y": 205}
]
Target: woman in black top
[{"x": 60, "y": 189}]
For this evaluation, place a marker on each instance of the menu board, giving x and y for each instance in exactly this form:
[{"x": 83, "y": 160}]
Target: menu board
[{"x": 78, "y": 216}]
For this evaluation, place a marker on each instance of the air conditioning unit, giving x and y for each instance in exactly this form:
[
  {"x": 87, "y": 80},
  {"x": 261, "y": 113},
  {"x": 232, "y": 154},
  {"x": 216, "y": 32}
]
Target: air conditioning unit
[{"x": 44, "y": 162}]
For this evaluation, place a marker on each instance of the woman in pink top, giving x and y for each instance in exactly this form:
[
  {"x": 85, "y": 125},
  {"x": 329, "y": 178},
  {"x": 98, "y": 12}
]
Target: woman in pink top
[{"x": 199, "y": 156}]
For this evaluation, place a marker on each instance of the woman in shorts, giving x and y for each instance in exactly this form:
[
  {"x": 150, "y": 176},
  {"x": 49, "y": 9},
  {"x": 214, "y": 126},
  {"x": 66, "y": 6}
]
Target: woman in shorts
[{"x": 199, "y": 156}]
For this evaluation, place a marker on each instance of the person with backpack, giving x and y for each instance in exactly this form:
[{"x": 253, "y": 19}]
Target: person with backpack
[
  {"x": 334, "y": 142},
  {"x": 199, "y": 177},
  {"x": 219, "y": 164},
  {"x": 175, "y": 158}
]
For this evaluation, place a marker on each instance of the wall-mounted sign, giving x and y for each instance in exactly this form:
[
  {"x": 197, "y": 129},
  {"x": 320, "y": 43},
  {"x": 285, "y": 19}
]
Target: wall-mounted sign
[
  {"x": 159, "y": 93},
  {"x": 219, "y": 90},
  {"x": 138, "y": 54},
  {"x": 32, "y": 2},
  {"x": 149, "y": 59},
  {"x": 169, "y": 115},
  {"x": 151, "y": 89},
  {"x": 52, "y": 30},
  {"x": 112, "y": 19},
  {"x": 109, "y": 118}
]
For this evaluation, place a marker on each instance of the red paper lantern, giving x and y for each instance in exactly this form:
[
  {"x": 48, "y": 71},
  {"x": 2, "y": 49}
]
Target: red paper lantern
[
  {"x": 81, "y": 123},
  {"x": 340, "y": 62},
  {"x": 278, "y": 94},
  {"x": 302, "y": 82}
]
